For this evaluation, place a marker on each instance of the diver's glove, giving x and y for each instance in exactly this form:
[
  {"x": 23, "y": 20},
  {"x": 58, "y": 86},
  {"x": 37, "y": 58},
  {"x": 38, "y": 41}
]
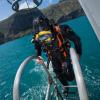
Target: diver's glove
[
  {"x": 64, "y": 66},
  {"x": 39, "y": 60},
  {"x": 32, "y": 41}
]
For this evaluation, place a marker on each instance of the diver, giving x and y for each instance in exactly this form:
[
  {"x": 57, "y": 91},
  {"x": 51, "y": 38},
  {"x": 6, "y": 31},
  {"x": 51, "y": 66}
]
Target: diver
[{"x": 54, "y": 39}]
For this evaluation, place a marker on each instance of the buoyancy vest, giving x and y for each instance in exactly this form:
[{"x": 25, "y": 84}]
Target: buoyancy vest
[{"x": 44, "y": 36}]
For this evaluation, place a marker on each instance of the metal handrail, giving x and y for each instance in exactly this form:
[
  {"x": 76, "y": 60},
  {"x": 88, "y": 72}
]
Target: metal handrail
[
  {"x": 16, "y": 85},
  {"x": 16, "y": 95},
  {"x": 78, "y": 75},
  {"x": 83, "y": 95}
]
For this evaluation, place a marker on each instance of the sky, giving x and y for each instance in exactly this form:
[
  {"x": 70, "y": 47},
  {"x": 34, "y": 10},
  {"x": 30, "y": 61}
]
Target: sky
[{"x": 6, "y": 10}]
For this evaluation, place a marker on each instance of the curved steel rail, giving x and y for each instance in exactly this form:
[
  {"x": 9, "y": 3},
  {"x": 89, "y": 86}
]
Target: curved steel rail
[
  {"x": 16, "y": 85},
  {"x": 83, "y": 95},
  {"x": 18, "y": 77},
  {"x": 78, "y": 75}
]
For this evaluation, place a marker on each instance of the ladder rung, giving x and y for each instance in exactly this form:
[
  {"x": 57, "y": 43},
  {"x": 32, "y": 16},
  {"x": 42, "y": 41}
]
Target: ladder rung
[
  {"x": 73, "y": 98},
  {"x": 71, "y": 86}
]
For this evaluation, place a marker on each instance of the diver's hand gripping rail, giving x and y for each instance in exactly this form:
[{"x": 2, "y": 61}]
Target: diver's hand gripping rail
[
  {"x": 78, "y": 76},
  {"x": 16, "y": 85}
]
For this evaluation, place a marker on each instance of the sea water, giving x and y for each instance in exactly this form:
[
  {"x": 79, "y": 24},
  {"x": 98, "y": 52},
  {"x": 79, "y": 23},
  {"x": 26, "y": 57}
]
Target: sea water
[{"x": 33, "y": 81}]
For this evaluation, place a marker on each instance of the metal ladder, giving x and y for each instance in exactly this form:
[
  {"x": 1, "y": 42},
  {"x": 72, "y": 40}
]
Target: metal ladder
[{"x": 83, "y": 95}]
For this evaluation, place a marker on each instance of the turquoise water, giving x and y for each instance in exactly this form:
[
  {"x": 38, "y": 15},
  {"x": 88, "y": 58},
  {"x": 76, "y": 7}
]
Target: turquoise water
[{"x": 33, "y": 83}]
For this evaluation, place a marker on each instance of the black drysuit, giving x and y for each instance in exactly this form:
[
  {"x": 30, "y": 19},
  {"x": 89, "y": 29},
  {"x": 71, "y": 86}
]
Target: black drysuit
[{"x": 68, "y": 74}]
